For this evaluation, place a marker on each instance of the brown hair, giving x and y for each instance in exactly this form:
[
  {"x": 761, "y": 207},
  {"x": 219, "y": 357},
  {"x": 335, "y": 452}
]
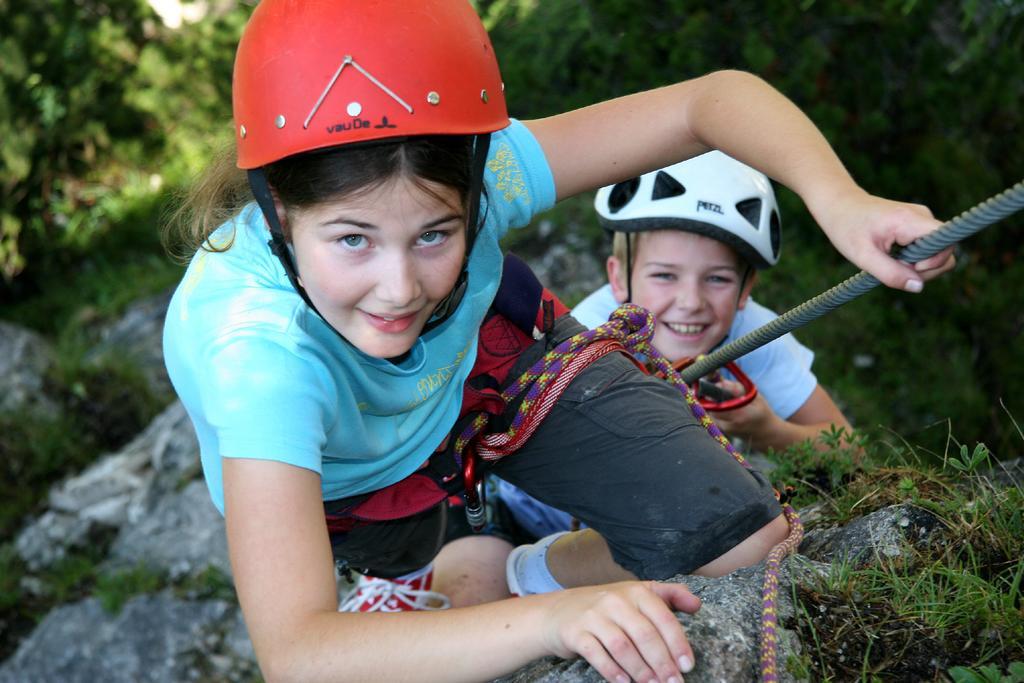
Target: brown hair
[{"x": 311, "y": 178}]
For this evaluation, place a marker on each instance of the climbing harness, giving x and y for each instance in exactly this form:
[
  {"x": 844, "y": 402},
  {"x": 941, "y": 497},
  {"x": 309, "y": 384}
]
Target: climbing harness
[{"x": 949, "y": 233}]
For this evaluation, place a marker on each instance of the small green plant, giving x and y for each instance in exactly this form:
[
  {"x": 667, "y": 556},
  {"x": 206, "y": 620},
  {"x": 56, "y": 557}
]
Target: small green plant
[
  {"x": 970, "y": 461},
  {"x": 70, "y": 577},
  {"x": 819, "y": 467},
  {"x": 907, "y": 487},
  {"x": 209, "y": 584},
  {"x": 988, "y": 674},
  {"x": 113, "y": 590}
]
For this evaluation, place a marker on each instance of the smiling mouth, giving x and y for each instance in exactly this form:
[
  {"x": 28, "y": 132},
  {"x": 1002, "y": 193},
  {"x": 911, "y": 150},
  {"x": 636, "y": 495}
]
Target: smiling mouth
[
  {"x": 392, "y": 318},
  {"x": 686, "y": 328},
  {"x": 391, "y": 323}
]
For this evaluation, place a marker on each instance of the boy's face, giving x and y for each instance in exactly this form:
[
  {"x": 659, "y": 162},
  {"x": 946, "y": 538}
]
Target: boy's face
[{"x": 690, "y": 283}]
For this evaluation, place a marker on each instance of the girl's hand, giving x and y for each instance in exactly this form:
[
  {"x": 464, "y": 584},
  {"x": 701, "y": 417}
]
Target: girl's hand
[
  {"x": 864, "y": 228},
  {"x": 627, "y": 631}
]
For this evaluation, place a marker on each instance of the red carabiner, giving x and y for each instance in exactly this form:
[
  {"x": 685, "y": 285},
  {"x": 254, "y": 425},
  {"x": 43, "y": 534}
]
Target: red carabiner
[{"x": 748, "y": 395}]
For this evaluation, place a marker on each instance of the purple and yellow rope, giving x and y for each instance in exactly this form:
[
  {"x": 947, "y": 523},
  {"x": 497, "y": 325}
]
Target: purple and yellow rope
[{"x": 633, "y": 328}]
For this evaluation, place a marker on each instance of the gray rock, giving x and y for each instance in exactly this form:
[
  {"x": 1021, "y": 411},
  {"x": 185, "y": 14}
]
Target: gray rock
[
  {"x": 138, "y": 337},
  {"x": 885, "y": 533},
  {"x": 724, "y": 633},
  {"x": 119, "y": 489},
  {"x": 182, "y": 536},
  {"x": 1008, "y": 473},
  {"x": 24, "y": 359},
  {"x": 569, "y": 272},
  {"x": 156, "y": 638}
]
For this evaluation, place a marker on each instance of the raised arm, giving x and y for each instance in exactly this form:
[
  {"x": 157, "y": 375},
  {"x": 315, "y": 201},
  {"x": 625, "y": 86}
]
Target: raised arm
[
  {"x": 283, "y": 571},
  {"x": 746, "y": 118}
]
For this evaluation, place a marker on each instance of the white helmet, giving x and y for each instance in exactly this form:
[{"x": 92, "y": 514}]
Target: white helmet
[{"x": 711, "y": 194}]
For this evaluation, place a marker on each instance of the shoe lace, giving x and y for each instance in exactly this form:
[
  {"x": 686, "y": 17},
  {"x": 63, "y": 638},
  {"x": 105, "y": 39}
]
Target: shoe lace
[{"x": 378, "y": 592}]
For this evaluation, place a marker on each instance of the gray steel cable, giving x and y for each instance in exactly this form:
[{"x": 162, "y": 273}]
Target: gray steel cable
[{"x": 966, "y": 224}]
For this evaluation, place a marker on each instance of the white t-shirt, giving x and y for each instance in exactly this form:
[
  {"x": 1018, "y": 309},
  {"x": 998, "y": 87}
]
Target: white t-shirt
[{"x": 781, "y": 369}]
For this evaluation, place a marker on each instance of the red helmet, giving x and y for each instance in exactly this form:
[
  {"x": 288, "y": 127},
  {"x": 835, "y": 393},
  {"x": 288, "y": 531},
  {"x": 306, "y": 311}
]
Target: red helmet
[{"x": 318, "y": 73}]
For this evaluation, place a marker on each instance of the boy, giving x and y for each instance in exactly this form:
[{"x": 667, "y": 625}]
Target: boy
[{"x": 688, "y": 241}]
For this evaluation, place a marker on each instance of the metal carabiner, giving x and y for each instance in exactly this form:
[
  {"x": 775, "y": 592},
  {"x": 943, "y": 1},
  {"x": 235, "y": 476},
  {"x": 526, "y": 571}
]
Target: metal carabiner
[{"x": 476, "y": 512}]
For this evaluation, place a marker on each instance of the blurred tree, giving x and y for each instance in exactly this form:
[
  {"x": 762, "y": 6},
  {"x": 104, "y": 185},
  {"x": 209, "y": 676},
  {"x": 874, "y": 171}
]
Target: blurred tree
[
  {"x": 101, "y": 107},
  {"x": 64, "y": 71}
]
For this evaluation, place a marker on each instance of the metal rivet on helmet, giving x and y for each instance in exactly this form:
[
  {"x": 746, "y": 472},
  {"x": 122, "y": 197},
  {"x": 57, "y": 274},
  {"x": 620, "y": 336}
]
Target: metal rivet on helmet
[
  {"x": 241, "y": 131},
  {"x": 279, "y": 121},
  {"x": 433, "y": 97},
  {"x": 483, "y": 96},
  {"x": 354, "y": 109}
]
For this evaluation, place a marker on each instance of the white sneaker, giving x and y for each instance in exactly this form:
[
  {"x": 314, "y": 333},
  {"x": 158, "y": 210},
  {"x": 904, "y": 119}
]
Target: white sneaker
[{"x": 374, "y": 594}]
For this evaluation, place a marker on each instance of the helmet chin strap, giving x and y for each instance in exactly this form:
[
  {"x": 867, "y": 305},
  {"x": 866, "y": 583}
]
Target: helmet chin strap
[
  {"x": 447, "y": 306},
  {"x": 277, "y": 243},
  {"x": 629, "y": 268}
]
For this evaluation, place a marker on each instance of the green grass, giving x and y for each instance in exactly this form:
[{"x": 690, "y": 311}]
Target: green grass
[
  {"x": 115, "y": 589},
  {"x": 955, "y": 604}
]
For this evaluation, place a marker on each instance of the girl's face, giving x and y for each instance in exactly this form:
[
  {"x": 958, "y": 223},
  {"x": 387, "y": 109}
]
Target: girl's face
[
  {"x": 692, "y": 286},
  {"x": 376, "y": 265}
]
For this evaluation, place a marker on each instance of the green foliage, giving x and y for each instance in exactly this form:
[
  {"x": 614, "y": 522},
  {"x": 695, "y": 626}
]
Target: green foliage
[
  {"x": 101, "y": 109},
  {"x": 34, "y": 453},
  {"x": 819, "y": 468},
  {"x": 209, "y": 584},
  {"x": 10, "y": 575},
  {"x": 988, "y": 674},
  {"x": 957, "y": 601},
  {"x": 970, "y": 462},
  {"x": 64, "y": 76},
  {"x": 113, "y": 590}
]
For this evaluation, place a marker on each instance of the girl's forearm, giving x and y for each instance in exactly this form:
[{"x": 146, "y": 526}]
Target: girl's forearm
[{"x": 466, "y": 644}]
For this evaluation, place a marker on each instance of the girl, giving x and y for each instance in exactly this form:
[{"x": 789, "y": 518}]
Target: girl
[{"x": 322, "y": 339}]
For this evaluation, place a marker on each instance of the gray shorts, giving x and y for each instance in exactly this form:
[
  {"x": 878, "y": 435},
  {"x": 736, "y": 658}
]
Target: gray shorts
[{"x": 622, "y": 452}]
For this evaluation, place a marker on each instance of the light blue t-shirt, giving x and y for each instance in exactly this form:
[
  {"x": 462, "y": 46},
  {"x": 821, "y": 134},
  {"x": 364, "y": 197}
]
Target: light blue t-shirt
[
  {"x": 263, "y": 376},
  {"x": 781, "y": 370}
]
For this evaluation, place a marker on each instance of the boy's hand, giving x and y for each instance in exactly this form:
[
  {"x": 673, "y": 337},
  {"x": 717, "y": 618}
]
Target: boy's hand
[
  {"x": 865, "y": 228},
  {"x": 752, "y": 420},
  {"x": 627, "y": 631}
]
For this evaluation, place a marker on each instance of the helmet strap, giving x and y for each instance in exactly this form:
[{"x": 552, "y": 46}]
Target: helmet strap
[
  {"x": 629, "y": 267},
  {"x": 277, "y": 243},
  {"x": 446, "y": 308},
  {"x": 743, "y": 282}
]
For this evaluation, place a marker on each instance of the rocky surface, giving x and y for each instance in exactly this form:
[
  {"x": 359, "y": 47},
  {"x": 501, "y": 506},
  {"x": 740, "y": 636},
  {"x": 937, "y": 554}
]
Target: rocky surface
[{"x": 24, "y": 359}]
